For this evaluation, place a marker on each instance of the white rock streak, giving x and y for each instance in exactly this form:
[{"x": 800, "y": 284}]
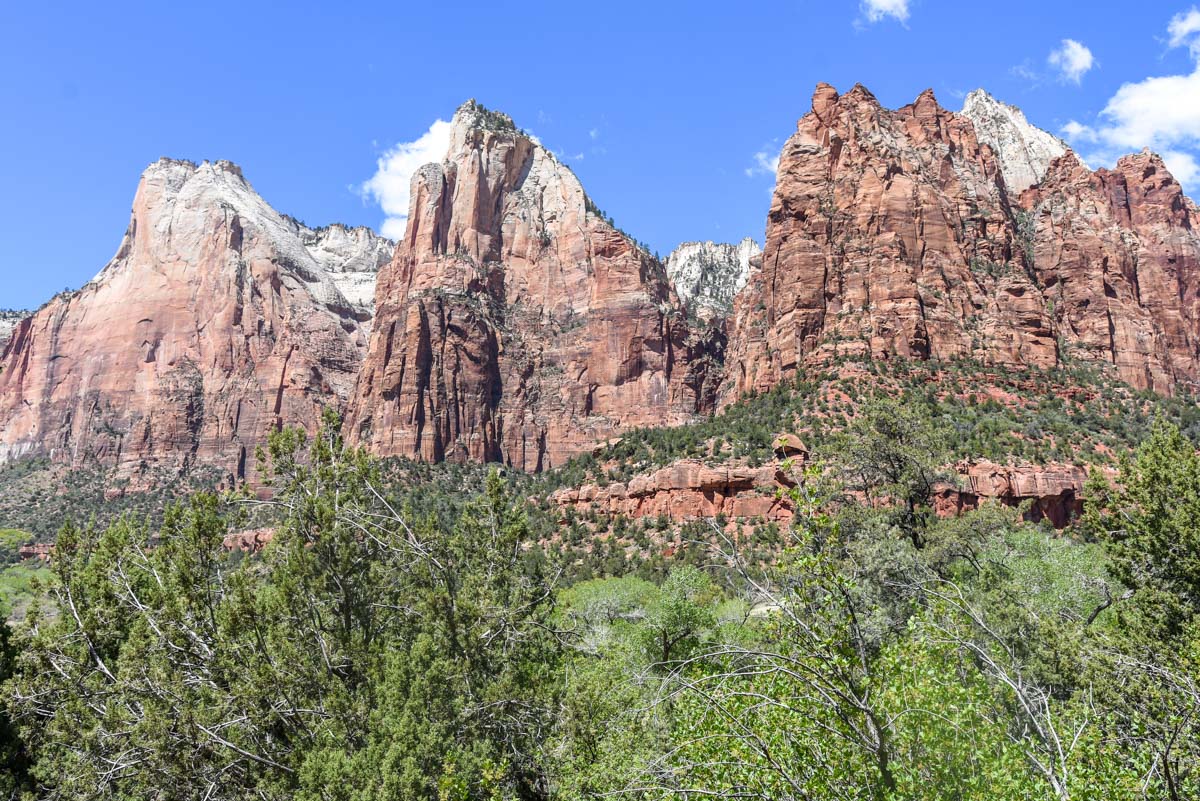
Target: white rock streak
[
  {"x": 1025, "y": 152},
  {"x": 338, "y": 264},
  {"x": 709, "y": 274},
  {"x": 8, "y": 321}
]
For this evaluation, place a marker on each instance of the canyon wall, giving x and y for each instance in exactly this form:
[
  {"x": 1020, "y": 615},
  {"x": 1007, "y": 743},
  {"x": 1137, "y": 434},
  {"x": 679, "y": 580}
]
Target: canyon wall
[
  {"x": 516, "y": 324},
  {"x": 217, "y": 320}
]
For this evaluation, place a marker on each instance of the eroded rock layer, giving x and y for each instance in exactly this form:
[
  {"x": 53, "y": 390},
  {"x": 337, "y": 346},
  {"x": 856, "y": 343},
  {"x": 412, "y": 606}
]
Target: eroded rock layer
[
  {"x": 515, "y": 323},
  {"x": 1117, "y": 255},
  {"x": 894, "y": 234},
  {"x": 689, "y": 490},
  {"x": 217, "y": 320}
]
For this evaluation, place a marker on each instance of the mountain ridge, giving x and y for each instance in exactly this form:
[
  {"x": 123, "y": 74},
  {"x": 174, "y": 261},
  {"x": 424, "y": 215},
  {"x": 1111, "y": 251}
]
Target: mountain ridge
[
  {"x": 520, "y": 325},
  {"x": 213, "y": 322}
]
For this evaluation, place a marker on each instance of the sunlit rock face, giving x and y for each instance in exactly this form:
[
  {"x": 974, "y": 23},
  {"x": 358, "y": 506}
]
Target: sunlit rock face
[
  {"x": 515, "y": 323},
  {"x": 708, "y": 275},
  {"x": 217, "y": 320},
  {"x": 1025, "y": 152},
  {"x": 896, "y": 234},
  {"x": 1117, "y": 255}
]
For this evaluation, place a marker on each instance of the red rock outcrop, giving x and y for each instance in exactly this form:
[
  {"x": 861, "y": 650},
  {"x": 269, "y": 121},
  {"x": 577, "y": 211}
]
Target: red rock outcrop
[
  {"x": 691, "y": 490},
  {"x": 1055, "y": 491},
  {"x": 214, "y": 322},
  {"x": 892, "y": 233},
  {"x": 249, "y": 541},
  {"x": 41, "y": 551},
  {"x": 688, "y": 490},
  {"x": 515, "y": 323},
  {"x": 1117, "y": 254}
]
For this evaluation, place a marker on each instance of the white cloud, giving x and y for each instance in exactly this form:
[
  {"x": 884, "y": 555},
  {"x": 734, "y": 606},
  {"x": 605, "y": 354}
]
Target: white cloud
[
  {"x": 1072, "y": 59},
  {"x": 1077, "y": 132},
  {"x": 765, "y": 163},
  {"x": 391, "y": 184},
  {"x": 594, "y": 133},
  {"x": 1026, "y": 72},
  {"x": 1184, "y": 28},
  {"x": 876, "y": 10},
  {"x": 1161, "y": 113}
]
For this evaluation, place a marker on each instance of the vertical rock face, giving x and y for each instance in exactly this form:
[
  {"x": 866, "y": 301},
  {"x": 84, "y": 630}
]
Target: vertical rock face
[
  {"x": 216, "y": 320},
  {"x": 893, "y": 233},
  {"x": 514, "y": 323},
  {"x": 1118, "y": 254},
  {"x": 888, "y": 235},
  {"x": 707, "y": 275},
  {"x": 1025, "y": 152},
  {"x": 9, "y": 318}
]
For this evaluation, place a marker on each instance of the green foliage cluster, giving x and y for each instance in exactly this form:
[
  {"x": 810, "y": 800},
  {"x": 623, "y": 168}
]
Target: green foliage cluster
[
  {"x": 401, "y": 639},
  {"x": 985, "y": 660},
  {"x": 1074, "y": 414},
  {"x": 37, "y": 495},
  {"x": 371, "y": 652}
]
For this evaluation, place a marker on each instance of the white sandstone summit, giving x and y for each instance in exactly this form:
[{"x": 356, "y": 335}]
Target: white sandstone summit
[
  {"x": 1024, "y": 151},
  {"x": 9, "y": 318},
  {"x": 338, "y": 264},
  {"x": 352, "y": 257},
  {"x": 707, "y": 275}
]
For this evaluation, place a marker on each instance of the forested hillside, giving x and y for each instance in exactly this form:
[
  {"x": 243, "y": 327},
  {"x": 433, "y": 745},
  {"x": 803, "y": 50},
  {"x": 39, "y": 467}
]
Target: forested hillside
[{"x": 401, "y": 640}]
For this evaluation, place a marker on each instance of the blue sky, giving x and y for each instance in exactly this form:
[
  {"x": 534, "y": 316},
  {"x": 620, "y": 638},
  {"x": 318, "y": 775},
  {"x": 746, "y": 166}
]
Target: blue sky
[{"x": 661, "y": 108}]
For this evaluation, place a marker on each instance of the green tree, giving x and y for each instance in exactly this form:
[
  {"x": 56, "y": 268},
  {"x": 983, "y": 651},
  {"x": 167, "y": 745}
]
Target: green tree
[
  {"x": 893, "y": 457},
  {"x": 369, "y": 653},
  {"x": 1150, "y": 524},
  {"x": 678, "y": 616},
  {"x": 14, "y": 763}
]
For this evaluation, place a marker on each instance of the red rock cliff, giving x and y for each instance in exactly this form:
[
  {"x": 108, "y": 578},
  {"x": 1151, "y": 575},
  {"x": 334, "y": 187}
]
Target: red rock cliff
[
  {"x": 214, "y": 322},
  {"x": 892, "y": 233},
  {"x": 1118, "y": 257},
  {"x": 515, "y": 323}
]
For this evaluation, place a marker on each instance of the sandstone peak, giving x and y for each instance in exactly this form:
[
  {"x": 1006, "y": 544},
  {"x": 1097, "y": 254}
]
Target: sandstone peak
[
  {"x": 186, "y": 167},
  {"x": 927, "y": 96},
  {"x": 473, "y": 114},
  {"x": 707, "y": 275},
  {"x": 516, "y": 323},
  {"x": 860, "y": 93},
  {"x": 824, "y": 96},
  {"x": 1145, "y": 160},
  {"x": 879, "y": 240},
  {"x": 1025, "y": 152},
  {"x": 217, "y": 319},
  {"x": 899, "y": 234},
  {"x": 338, "y": 263}
]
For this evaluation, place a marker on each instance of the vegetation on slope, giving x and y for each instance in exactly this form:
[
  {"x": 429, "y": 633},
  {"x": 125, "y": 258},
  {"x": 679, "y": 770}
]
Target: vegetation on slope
[
  {"x": 416, "y": 644},
  {"x": 38, "y": 496},
  {"x": 1075, "y": 414}
]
